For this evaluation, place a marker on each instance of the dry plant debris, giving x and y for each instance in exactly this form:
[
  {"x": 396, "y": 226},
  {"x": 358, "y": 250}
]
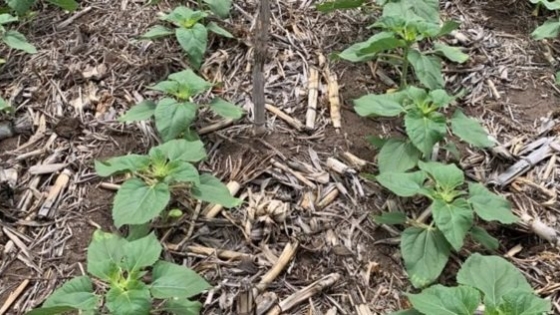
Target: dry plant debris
[{"x": 303, "y": 243}]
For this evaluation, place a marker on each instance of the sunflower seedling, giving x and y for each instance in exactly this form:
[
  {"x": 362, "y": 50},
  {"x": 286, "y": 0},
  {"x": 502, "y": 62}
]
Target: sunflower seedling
[
  {"x": 133, "y": 278},
  {"x": 12, "y": 38},
  {"x": 426, "y": 248}
]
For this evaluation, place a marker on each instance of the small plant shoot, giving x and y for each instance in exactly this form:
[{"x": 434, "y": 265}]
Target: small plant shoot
[
  {"x": 122, "y": 267},
  {"x": 21, "y": 7},
  {"x": 13, "y": 38},
  {"x": 167, "y": 168},
  {"x": 550, "y": 28},
  {"x": 189, "y": 31},
  {"x": 489, "y": 284},
  {"x": 426, "y": 248}
]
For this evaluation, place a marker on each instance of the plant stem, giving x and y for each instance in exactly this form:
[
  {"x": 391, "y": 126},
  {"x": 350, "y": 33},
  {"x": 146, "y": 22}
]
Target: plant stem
[{"x": 405, "y": 65}]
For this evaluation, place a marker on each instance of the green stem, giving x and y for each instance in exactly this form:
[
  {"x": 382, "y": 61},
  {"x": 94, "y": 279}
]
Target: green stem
[{"x": 405, "y": 66}]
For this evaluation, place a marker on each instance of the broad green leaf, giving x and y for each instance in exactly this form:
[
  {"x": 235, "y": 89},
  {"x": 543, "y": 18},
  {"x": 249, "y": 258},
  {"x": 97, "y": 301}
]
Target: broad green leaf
[
  {"x": 418, "y": 95},
  {"x": 6, "y": 18},
  {"x": 181, "y": 149},
  {"x": 427, "y": 10},
  {"x": 141, "y": 111},
  {"x": 390, "y": 218},
  {"x": 53, "y": 310},
  {"x": 141, "y": 253},
  {"x": 490, "y": 206},
  {"x": 213, "y": 190},
  {"x": 427, "y": 69},
  {"x": 397, "y": 156},
  {"x": 220, "y": 7},
  {"x": 402, "y": 184},
  {"x": 21, "y": 6},
  {"x": 385, "y": 105},
  {"x": 379, "y": 42},
  {"x": 447, "y": 176},
  {"x": 454, "y": 220},
  {"x": 104, "y": 254},
  {"x": 138, "y": 203},
  {"x": 16, "y": 40},
  {"x": 68, "y": 5},
  {"x": 193, "y": 41},
  {"x": 493, "y": 275},
  {"x": 425, "y": 253},
  {"x": 470, "y": 130},
  {"x": 480, "y": 235},
  {"x": 333, "y": 5},
  {"x": 549, "y": 29},
  {"x": 425, "y": 131},
  {"x": 76, "y": 293},
  {"x": 172, "y": 118},
  {"x": 214, "y": 28},
  {"x": 441, "y": 98},
  {"x": 226, "y": 109},
  {"x": 157, "y": 31},
  {"x": 447, "y": 27},
  {"x": 182, "y": 306},
  {"x": 549, "y": 4},
  {"x": 137, "y": 231},
  {"x": 135, "y": 301},
  {"x": 190, "y": 83},
  {"x": 184, "y": 17},
  {"x": 5, "y": 106},
  {"x": 452, "y": 53},
  {"x": 407, "y": 312},
  {"x": 440, "y": 300},
  {"x": 519, "y": 302},
  {"x": 377, "y": 142},
  {"x": 171, "y": 280},
  {"x": 181, "y": 171},
  {"x": 125, "y": 163}
]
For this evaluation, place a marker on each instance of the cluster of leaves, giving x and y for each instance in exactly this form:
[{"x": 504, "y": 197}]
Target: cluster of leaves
[
  {"x": 122, "y": 266},
  {"x": 405, "y": 25},
  {"x": 189, "y": 31},
  {"x": 490, "y": 280},
  {"x": 22, "y": 7},
  {"x": 5, "y": 106},
  {"x": 426, "y": 248},
  {"x": 550, "y": 28},
  {"x": 425, "y": 125},
  {"x": 13, "y": 38}
]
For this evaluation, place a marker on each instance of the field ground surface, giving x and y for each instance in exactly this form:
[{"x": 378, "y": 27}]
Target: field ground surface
[{"x": 91, "y": 68}]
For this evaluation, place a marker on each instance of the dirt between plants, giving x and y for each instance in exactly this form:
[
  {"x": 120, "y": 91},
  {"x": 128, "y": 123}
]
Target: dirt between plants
[{"x": 337, "y": 238}]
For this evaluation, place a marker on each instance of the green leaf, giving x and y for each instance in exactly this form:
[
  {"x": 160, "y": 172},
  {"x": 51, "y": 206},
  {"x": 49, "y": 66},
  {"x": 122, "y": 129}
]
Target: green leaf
[
  {"x": 447, "y": 176},
  {"x": 454, "y": 220},
  {"x": 181, "y": 171},
  {"x": 190, "y": 84},
  {"x": 481, "y": 236},
  {"x": 16, "y": 40},
  {"x": 141, "y": 253},
  {"x": 379, "y": 42},
  {"x": 182, "y": 306},
  {"x": 385, "y": 105},
  {"x": 376, "y": 142},
  {"x": 53, "y": 310},
  {"x": 104, "y": 254},
  {"x": 549, "y": 29},
  {"x": 68, "y": 5},
  {"x": 425, "y": 253},
  {"x": 447, "y": 27},
  {"x": 425, "y": 131},
  {"x": 333, "y": 5},
  {"x": 21, "y": 6},
  {"x": 171, "y": 280},
  {"x": 470, "y": 130},
  {"x": 402, "y": 184},
  {"x": 137, "y": 231},
  {"x": 427, "y": 69},
  {"x": 492, "y": 275},
  {"x": 440, "y": 300},
  {"x": 133, "y": 301},
  {"x": 214, "y": 28},
  {"x": 193, "y": 41},
  {"x": 6, "y": 18},
  {"x": 407, "y": 312},
  {"x": 519, "y": 302},
  {"x": 226, "y": 109},
  {"x": 441, "y": 98},
  {"x": 549, "y": 4},
  {"x": 5, "y": 106},
  {"x": 397, "y": 156},
  {"x": 220, "y": 7},
  {"x": 213, "y": 190},
  {"x": 138, "y": 203},
  {"x": 183, "y": 150},
  {"x": 490, "y": 206},
  {"x": 157, "y": 31},
  {"x": 390, "y": 218},
  {"x": 173, "y": 118},
  {"x": 77, "y": 293},
  {"x": 184, "y": 17},
  {"x": 452, "y": 53},
  {"x": 125, "y": 163},
  {"x": 141, "y": 111}
]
